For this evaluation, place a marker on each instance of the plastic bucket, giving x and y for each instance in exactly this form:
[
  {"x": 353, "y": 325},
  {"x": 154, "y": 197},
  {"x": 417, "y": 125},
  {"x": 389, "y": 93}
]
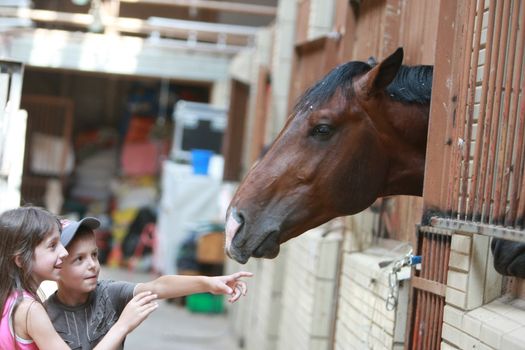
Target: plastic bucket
[
  {"x": 200, "y": 159},
  {"x": 205, "y": 303}
]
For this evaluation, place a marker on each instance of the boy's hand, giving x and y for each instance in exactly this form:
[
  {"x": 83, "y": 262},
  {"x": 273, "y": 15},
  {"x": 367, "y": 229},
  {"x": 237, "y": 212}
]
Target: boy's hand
[
  {"x": 137, "y": 310},
  {"x": 229, "y": 284}
]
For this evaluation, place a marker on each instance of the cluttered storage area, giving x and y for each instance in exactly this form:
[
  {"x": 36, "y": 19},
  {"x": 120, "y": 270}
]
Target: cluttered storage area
[{"x": 105, "y": 145}]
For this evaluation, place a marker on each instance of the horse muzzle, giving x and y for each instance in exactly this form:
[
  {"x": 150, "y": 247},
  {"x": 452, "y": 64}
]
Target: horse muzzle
[
  {"x": 240, "y": 246},
  {"x": 269, "y": 248}
]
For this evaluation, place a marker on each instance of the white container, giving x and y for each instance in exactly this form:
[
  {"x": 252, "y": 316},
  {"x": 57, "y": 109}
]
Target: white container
[{"x": 197, "y": 126}]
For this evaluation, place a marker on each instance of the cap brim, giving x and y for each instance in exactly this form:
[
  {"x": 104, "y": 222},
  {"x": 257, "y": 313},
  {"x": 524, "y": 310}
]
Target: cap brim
[{"x": 69, "y": 231}]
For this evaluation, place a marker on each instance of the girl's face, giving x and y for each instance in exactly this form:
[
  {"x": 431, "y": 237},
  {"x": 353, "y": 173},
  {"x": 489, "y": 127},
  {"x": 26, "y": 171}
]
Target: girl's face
[
  {"x": 48, "y": 258},
  {"x": 80, "y": 271}
]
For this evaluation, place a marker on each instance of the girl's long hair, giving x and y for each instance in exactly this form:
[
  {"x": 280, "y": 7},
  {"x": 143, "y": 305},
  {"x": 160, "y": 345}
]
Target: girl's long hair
[{"x": 21, "y": 231}]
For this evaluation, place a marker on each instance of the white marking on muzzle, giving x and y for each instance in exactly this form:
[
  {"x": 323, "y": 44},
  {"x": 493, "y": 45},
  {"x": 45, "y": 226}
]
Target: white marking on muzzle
[{"x": 231, "y": 228}]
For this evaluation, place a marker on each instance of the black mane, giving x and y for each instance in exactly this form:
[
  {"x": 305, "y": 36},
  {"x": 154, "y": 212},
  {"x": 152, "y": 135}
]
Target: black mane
[
  {"x": 411, "y": 85},
  {"x": 339, "y": 77}
]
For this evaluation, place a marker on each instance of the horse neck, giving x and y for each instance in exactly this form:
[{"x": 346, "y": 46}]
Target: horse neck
[{"x": 405, "y": 140}]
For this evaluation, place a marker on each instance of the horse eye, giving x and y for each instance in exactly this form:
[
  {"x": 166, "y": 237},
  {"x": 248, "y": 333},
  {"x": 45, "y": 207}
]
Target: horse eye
[{"x": 322, "y": 131}]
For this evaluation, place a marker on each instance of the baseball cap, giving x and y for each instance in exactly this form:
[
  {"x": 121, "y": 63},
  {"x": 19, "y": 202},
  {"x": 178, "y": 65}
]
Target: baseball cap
[{"x": 70, "y": 228}]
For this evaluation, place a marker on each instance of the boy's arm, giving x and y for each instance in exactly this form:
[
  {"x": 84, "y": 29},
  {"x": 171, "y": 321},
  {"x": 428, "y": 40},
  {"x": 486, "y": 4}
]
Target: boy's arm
[{"x": 173, "y": 286}]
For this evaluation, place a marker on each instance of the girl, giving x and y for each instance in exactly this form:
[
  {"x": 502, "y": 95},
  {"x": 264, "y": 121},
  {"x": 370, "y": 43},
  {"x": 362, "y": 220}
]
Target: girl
[{"x": 31, "y": 252}]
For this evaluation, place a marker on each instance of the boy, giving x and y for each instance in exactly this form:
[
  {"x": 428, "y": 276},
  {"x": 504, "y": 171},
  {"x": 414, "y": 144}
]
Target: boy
[{"x": 83, "y": 309}]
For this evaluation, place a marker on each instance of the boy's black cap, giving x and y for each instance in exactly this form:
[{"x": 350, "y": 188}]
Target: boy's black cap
[{"x": 70, "y": 228}]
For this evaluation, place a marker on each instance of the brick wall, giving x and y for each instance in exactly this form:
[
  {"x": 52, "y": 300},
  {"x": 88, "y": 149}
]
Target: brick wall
[
  {"x": 363, "y": 321},
  {"x": 472, "y": 318},
  {"x": 309, "y": 290}
]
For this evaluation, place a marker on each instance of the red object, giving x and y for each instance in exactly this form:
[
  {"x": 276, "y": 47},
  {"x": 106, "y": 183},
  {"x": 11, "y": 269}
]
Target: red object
[
  {"x": 148, "y": 238},
  {"x": 139, "y": 129},
  {"x": 140, "y": 159}
]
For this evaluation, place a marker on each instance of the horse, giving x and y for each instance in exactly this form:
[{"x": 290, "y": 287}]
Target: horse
[{"x": 358, "y": 134}]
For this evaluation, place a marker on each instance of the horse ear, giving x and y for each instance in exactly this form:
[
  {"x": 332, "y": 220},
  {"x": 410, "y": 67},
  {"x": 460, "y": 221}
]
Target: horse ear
[{"x": 381, "y": 75}]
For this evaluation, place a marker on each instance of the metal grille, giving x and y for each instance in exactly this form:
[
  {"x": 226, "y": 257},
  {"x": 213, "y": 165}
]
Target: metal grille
[
  {"x": 487, "y": 182},
  {"x": 428, "y": 288}
]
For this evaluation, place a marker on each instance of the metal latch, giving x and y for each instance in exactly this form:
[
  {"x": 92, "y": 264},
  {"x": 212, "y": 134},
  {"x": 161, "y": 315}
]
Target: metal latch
[{"x": 397, "y": 273}]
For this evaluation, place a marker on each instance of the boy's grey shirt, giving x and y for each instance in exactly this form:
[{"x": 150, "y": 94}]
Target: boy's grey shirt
[{"x": 84, "y": 326}]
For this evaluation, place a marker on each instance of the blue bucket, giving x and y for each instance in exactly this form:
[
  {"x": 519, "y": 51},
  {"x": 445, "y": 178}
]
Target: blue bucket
[{"x": 200, "y": 159}]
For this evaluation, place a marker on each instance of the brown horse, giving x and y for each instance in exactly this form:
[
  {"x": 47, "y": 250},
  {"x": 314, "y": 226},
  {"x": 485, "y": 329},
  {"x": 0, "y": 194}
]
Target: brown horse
[{"x": 358, "y": 134}]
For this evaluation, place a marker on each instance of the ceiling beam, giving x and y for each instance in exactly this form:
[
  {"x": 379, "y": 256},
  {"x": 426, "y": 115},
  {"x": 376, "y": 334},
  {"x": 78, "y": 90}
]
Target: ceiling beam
[
  {"x": 179, "y": 29},
  {"x": 225, "y": 6}
]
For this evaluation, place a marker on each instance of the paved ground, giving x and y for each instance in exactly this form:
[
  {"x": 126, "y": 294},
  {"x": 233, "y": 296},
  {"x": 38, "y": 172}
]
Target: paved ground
[{"x": 172, "y": 326}]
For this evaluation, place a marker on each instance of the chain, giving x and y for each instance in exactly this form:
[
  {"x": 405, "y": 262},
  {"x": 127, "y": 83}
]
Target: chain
[
  {"x": 393, "y": 281},
  {"x": 393, "y": 286}
]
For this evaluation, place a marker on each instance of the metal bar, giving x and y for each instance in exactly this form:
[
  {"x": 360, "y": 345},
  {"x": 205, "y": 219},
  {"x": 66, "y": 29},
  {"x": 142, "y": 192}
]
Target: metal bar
[
  {"x": 441, "y": 301},
  {"x": 479, "y": 228},
  {"x": 423, "y": 324},
  {"x": 416, "y": 338},
  {"x": 427, "y": 268},
  {"x": 435, "y": 321},
  {"x": 225, "y": 6},
  {"x": 447, "y": 258},
  {"x": 511, "y": 216},
  {"x": 428, "y": 320},
  {"x": 433, "y": 315},
  {"x": 492, "y": 68},
  {"x": 438, "y": 257},
  {"x": 496, "y": 111},
  {"x": 424, "y": 257},
  {"x": 434, "y": 257},
  {"x": 472, "y": 208},
  {"x": 521, "y": 206},
  {"x": 521, "y": 202},
  {"x": 507, "y": 139},
  {"x": 441, "y": 260},
  {"x": 431, "y": 320},
  {"x": 470, "y": 121}
]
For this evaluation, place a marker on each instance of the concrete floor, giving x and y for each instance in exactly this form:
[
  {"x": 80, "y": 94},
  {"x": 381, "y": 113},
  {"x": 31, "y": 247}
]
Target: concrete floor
[
  {"x": 171, "y": 326},
  {"x": 174, "y": 327}
]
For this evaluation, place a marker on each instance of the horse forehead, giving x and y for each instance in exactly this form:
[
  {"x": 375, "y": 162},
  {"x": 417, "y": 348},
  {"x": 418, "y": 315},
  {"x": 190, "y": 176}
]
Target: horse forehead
[{"x": 335, "y": 107}]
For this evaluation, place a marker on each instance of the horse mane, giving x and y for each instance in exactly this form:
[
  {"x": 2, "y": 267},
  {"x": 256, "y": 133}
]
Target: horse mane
[
  {"x": 339, "y": 77},
  {"x": 411, "y": 85}
]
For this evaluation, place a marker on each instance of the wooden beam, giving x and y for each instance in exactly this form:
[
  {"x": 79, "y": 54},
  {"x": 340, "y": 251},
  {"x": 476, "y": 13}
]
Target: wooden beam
[
  {"x": 179, "y": 29},
  {"x": 223, "y": 6},
  {"x": 429, "y": 286}
]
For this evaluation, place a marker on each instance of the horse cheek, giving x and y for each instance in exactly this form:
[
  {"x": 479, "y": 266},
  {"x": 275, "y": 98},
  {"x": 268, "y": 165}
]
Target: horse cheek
[{"x": 365, "y": 170}]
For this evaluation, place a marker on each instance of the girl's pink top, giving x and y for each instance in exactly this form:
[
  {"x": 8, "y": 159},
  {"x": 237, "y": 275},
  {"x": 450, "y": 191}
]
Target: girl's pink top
[{"x": 7, "y": 336}]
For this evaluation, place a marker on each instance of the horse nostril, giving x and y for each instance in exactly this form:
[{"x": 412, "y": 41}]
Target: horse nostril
[{"x": 238, "y": 216}]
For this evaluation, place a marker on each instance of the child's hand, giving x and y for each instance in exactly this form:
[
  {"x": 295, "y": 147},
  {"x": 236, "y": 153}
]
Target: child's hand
[
  {"x": 230, "y": 285},
  {"x": 137, "y": 310}
]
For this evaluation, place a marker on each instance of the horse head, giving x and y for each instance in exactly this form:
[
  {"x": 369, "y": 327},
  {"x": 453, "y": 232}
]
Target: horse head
[{"x": 356, "y": 135}]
